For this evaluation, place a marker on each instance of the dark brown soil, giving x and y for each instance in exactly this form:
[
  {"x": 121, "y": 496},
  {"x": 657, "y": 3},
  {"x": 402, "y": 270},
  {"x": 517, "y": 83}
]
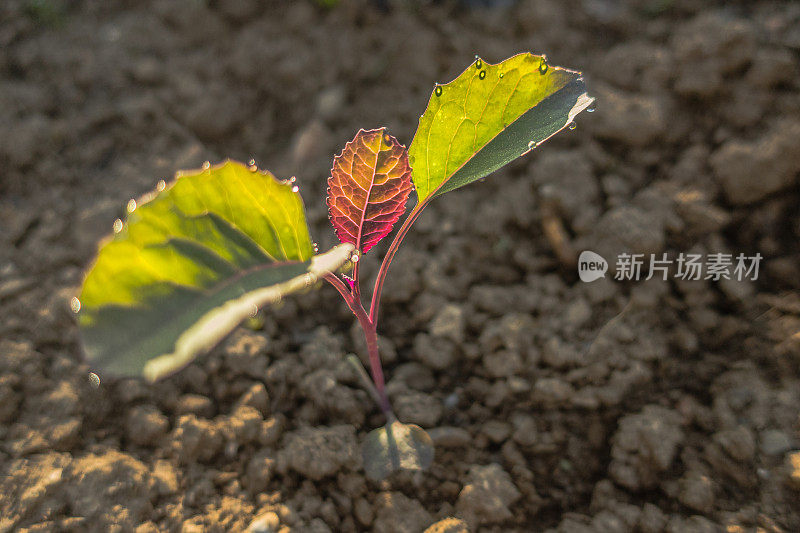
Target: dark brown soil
[{"x": 558, "y": 405}]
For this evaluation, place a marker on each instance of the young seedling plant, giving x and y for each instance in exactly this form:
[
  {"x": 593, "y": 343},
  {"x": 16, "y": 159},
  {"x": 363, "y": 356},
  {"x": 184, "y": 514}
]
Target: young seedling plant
[{"x": 197, "y": 256}]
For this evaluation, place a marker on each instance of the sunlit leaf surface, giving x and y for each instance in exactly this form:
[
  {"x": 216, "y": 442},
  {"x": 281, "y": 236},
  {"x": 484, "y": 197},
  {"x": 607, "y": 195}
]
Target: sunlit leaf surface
[
  {"x": 396, "y": 446},
  {"x": 489, "y": 116},
  {"x": 193, "y": 259},
  {"x": 368, "y": 188}
]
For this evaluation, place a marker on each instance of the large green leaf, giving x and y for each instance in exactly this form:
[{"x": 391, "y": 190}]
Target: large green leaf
[
  {"x": 193, "y": 260},
  {"x": 489, "y": 116}
]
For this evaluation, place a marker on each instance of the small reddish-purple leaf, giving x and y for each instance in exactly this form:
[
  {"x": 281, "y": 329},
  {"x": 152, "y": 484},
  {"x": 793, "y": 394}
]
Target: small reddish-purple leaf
[{"x": 368, "y": 188}]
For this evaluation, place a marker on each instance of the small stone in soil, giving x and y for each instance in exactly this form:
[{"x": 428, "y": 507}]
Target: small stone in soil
[
  {"x": 264, "y": 523},
  {"x": 496, "y": 430},
  {"x": 449, "y": 323},
  {"x": 259, "y": 471},
  {"x": 487, "y": 496},
  {"x": 145, "y": 425},
  {"x": 256, "y": 396},
  {"x": 793, "y": 469},
  {"x": 448, "y": 525},
  {"x": 436, "y": 352},
  {"x": 195, "y": 404},
  {"x": 774, "y": 442},
  {"x": 644, "y": 446},
  {"x": 697, "y": 492},
  {"x": 414, "y": 407},
  {"x": 652, "y": 519},
  {"x": 196, "y": 439},
  {"x": 398, "y": 513},
  {"x": 738, "y": 442},
  {"x": 320, "y": 451},
  {"x": 450, "y": 437}
]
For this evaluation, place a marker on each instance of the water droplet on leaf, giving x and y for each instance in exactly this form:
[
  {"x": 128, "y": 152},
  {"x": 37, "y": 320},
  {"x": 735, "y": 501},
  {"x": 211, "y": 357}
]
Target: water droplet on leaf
[
  {"x": 251, "y": 163},
  {"x": 75, "y": 305},
  {"x": 501, "y": 74},
  {"x": 572, "y": 125},
  {"x": 543, "y": 65},
  {"x": 591, "y": 108},
  {"x": 206, "y": 165},
  {"x": 482, "y": 74},
  {"x": 295, "y": 189},
  {"x": 94, "y": 379},
  {"x": 354, "y": 258},
  {"x": 117, "y": 226},
  {"x": 438, "y": 90},
  {"x": 131, "y": 207},
  {"x": 478, "y": 62},
  {"x": 161, "y": 185},
  {"x": 316, "y": 247},
  {"x": 531, "y": 145}
]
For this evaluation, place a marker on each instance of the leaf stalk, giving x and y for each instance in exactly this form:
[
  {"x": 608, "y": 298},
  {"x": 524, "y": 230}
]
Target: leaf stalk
[
  {"x": 353, "y": 300},
  {"x": 369, "y": 321},
  {"x": 387, "y": 259}
]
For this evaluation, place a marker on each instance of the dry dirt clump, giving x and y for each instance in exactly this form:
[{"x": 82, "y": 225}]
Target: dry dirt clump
[
  {"x": 318, "y": 452},
  {"x": 555, "y": 405}
]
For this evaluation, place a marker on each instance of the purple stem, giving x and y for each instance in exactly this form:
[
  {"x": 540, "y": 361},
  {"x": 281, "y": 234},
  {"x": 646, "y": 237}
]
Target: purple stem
[
  {"x": 376, "y": 369},
  {"x": 369, "y": 322},
  {"x": 371, "y": 337},
  {"x": 387, "y": 260}
]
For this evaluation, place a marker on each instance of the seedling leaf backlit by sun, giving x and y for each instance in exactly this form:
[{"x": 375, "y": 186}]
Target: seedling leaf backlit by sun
[
  {"x": 368, "y": 188},
  {"x": 489, "y": 116},
  {"x": 192, "y": 261},
  {"x": 198, "y": 256}
]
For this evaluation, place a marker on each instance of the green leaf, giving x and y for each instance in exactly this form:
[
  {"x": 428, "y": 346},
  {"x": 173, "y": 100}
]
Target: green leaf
[
  {"x": 489, "y": 116},
  {"x": 192, "y": 261},
  {"x": 396, "y": 446}
]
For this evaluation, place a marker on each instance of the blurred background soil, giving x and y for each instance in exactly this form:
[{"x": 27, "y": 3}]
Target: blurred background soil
[{"x": 555, "y": 404}]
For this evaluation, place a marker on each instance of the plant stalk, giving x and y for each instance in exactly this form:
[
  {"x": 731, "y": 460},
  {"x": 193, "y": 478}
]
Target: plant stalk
[
  {"x": 356, "y": 362},
  {"x": 371, "y": 338},
  {"x": 369, "y": 322},
  {"x": 376, "y": 369},
  {"x": 387, "y": 260},
  {"x": 339, "y": 285}
]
